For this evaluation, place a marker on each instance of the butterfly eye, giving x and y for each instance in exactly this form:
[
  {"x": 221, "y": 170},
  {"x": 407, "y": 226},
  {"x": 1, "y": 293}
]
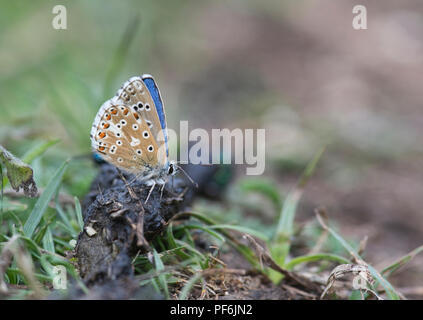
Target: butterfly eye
[
  {"x": 113, "y": 149},
  {"x": 170, "y": 171},
  {"x": 135, "y": 107},
  {"x": 123, "y": 122},
  {"x": 147, "y": 107},
  {"x": 118, "y": 134},
  {"x": 140, "y": 106},
  {"x": 139, "y": 152},
  {"x": 150, "y": 125},
  {"x": 150, "y": 148},
  {"x": 118, "y": 126},
  {"x": 120, "y": 160},
  {"x": 145, "y": 134},
  {"x": 135, "y": 127},
  {"x": 119, "y": 143}
]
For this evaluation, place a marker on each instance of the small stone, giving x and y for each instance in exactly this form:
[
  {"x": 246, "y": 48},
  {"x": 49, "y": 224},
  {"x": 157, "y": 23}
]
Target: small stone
[{"x": 90, "y": 231}]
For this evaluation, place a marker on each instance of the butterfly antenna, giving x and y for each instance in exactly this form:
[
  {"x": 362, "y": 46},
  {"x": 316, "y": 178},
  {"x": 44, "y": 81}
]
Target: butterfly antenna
[
  {"x": 200, "y": 164},
  {"x": 189, "y": 178}
]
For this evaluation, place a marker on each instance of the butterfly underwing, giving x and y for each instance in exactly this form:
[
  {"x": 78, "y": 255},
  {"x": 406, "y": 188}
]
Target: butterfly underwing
[{"x": 129, "y": 130}]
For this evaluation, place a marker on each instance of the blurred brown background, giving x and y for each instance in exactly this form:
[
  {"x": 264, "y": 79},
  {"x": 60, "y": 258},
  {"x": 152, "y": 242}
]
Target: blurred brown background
[{"x": 296, "y": 68}]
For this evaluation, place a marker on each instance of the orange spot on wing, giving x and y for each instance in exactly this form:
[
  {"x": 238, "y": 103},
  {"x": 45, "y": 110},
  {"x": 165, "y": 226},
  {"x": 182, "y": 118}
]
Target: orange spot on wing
[
  {"x": 136, "y": 115},
  {"x": 102, "y": 135},
  {"x": 113, "y": 111},
  {"x": 106, "y": 125},
  {"x": 101, "y": 148},
  {"x": 125, "y": 112},
  {"x": 108, "y": 117}
]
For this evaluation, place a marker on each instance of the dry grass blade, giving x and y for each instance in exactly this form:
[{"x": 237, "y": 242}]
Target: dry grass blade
[
  {"x": 11, "y": 250},
  {"x": 43, "y": 201},
  {"x": 264, "y": 257},
  {"x": 401, "y": 261},
  {"x": 322, "y": 218},
  {"x": 362, "y": 277},
  {"x": 6, "y": 258}
]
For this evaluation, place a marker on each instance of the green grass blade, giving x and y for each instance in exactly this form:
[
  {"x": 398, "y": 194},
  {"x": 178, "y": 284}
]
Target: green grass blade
[
  {"x": 281, "y": 241},
  {"x": 241, "y": 229},
  {"x": 172, "y": 243},
  {"x": 205, "y": 229},
  {"x": 264, "y": 187},
  {"x": 48, "y": 243},
  {"x": 190, "y": 248},
  {"x": 316, "y": 257},
  {"x": 1, "y": 194},
  {"x": 38, "y": 150},
  {"x": 244, "y": 250},
  {"x": 162, "y": 277},
  {"x": 401, "y": 262},
  {"x": 79, "y": 214},
  {"x": 188, "y": 286},
  {"x": 63, "y": 216},
  {"x": 43, "y": 201}
]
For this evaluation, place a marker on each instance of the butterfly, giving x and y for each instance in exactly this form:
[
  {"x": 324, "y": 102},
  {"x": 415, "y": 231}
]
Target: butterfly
[{"x": 130, "y": 131}]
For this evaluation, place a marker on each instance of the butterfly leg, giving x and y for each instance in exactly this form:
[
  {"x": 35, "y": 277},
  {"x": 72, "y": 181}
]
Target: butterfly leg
[
  {"x": 151, "y": 190},
  {"x": 161, "y": 191}
]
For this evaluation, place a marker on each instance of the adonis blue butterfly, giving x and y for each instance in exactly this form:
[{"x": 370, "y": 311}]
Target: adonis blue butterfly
[{"x": 129, "y": 131}]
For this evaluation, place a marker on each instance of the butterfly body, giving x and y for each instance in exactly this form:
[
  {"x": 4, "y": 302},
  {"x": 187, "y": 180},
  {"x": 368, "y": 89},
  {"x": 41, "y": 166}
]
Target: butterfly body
[{"x": 130, "y": 131}]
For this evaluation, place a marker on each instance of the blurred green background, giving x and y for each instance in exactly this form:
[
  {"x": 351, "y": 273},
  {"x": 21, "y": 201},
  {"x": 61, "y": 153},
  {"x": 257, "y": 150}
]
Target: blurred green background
[{"x": 296, "y": 68}]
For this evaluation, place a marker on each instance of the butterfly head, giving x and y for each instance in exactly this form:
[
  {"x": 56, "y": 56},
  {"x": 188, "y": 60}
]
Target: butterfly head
[{"x": 172, "y": 169}]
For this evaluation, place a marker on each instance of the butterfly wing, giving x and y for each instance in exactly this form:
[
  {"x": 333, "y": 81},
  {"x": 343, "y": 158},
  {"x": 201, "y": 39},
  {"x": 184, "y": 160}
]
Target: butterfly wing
[
  {"x": 158, "y": 103},
  {"x": 124, "y": 139},
  {"x": 141, "y": 95}
]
